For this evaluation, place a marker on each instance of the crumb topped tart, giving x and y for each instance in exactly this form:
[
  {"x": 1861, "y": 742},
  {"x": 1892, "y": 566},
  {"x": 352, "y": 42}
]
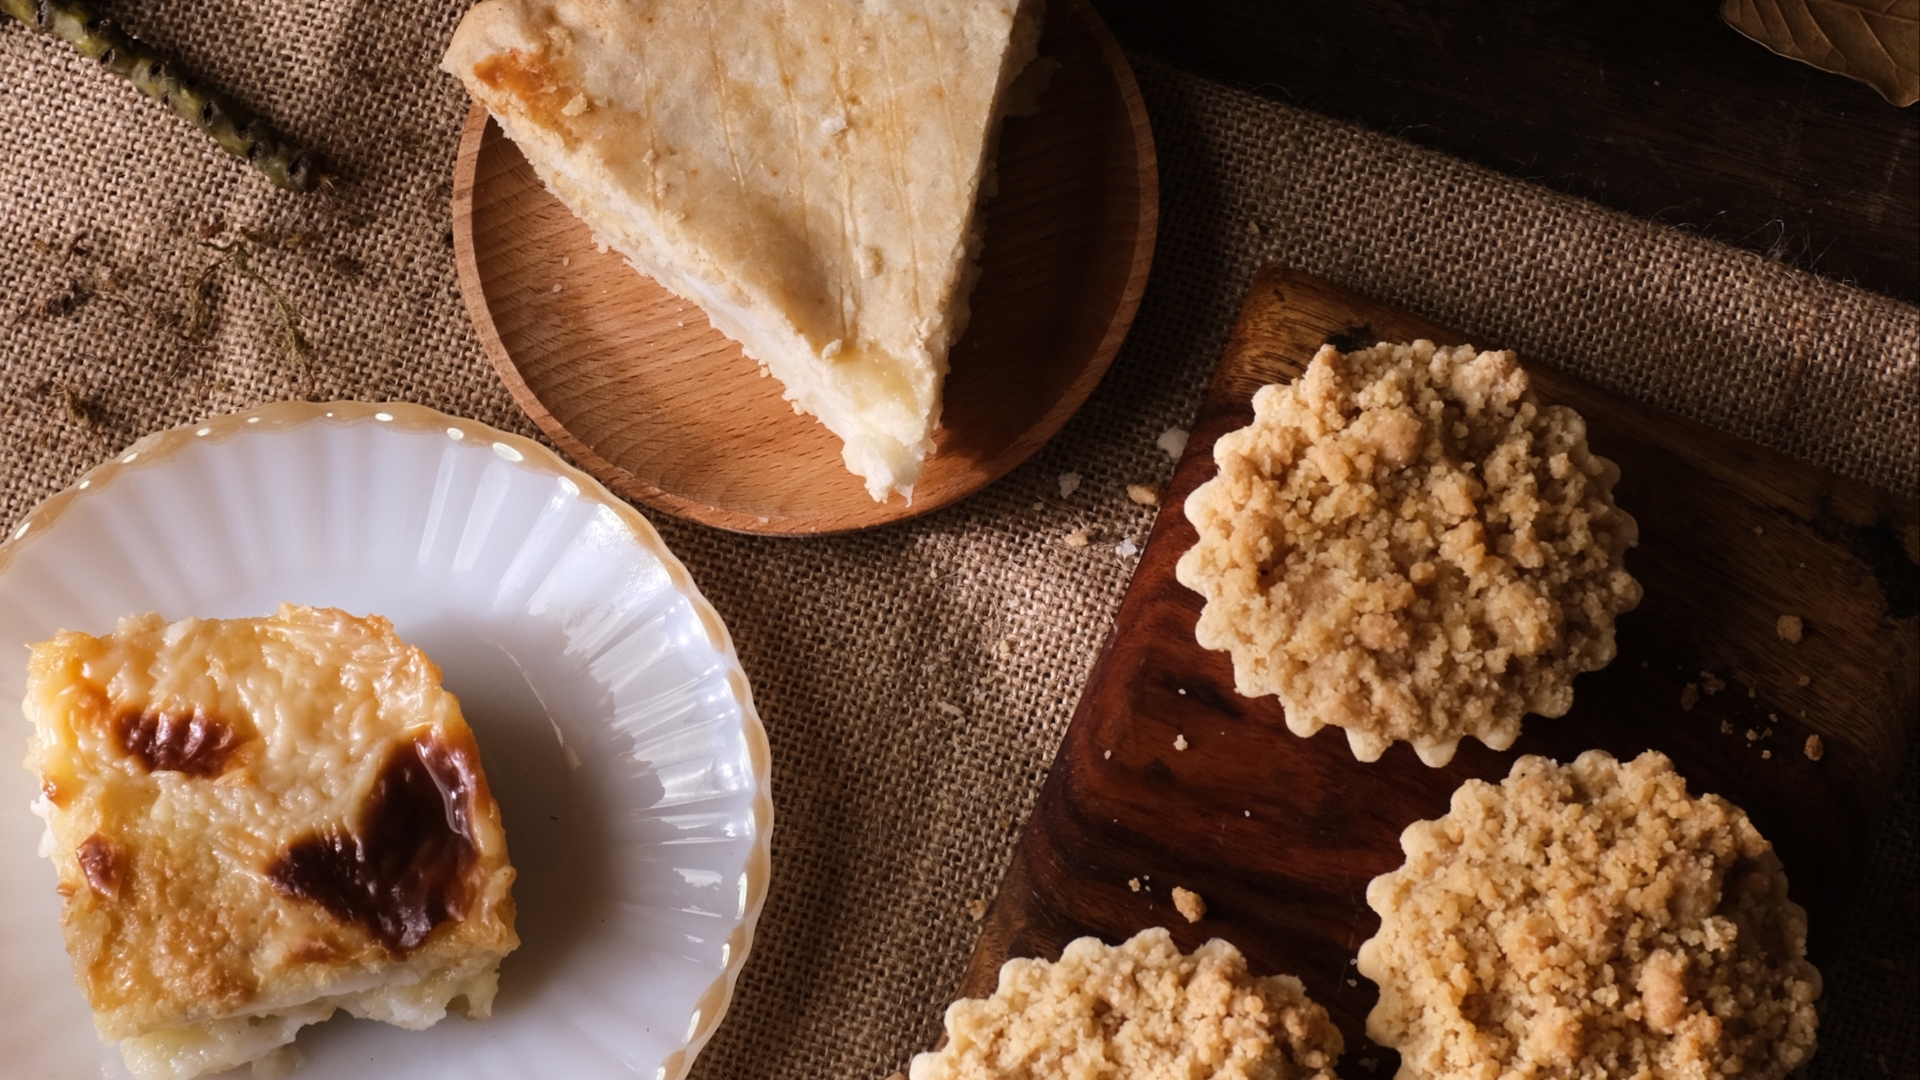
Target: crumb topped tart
[
  {"x": 258, "y": 821},
  {"x": 1590, "y": 920},
  {"x": 1142, "y": 1010},
  {"x": 1406, "y": 544}
]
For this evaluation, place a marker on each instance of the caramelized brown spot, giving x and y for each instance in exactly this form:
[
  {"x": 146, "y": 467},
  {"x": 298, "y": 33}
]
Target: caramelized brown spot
[
  {"x": 532, "y": 81},
  {"x": 197, "y": 745},
  {"x": 101, "y": 863},
  {"x": 404, "y": 872},
  {"x": 51, "y": 789}
]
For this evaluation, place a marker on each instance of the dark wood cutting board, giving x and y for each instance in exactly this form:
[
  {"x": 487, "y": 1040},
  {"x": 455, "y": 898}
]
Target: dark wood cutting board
[{"x": 1280, "y": 834}]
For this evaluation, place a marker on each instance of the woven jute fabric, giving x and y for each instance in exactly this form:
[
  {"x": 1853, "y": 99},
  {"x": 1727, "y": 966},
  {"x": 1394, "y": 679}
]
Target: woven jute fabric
[{"x": 915, "y": 680}]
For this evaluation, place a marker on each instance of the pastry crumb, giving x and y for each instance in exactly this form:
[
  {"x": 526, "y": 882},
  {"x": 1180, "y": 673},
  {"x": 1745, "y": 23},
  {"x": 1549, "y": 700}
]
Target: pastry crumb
[
  {"x": 947, "y": 708},
  {"x": 1133, "y": 884},
  {"x": 1658, "y": 941},
  {"x": 1726, "y": 727},
  {"x": 1790, "y": 628},
  {"x": 1758, "y": 531},
  {"x": 1189, "y": 904},
  {"x": 1003, "y": 648},
  {"x": 1173, "y": 441},
  {"x": 977, "y": 909},
  {"x": 1076, "y": 539},
  {"x": 1106, "y": 754},
  {"x": 1126, "y": 549},
  {"x": 1143, "y": 495},
  {"x": 1753, "y": 735},
  {"x": 1689, "y": 696},
  {"x": 1815, "y": 749},
  {"x": 1766, "y": 755},
  {"x": 1804, "y": 680},
  {"x": 1179, "y": 742},
  {"x": 1711, "y": 683},
  {"x": 1406, "y": 544},
  {"x": 1069, "y": 483},
  {"x": 1141, "y": 1009}
]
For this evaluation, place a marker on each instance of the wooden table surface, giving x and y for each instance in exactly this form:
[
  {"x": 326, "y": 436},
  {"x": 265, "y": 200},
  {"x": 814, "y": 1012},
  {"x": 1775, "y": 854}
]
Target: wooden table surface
[{"x": 1655, "y": 107}]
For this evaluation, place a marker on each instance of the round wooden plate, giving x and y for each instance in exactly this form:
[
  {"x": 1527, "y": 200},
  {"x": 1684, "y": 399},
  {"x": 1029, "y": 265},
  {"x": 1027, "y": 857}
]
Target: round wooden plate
[{"x": 630, "y": 381}]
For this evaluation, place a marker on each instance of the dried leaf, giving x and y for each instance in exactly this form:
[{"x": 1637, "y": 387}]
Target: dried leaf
[{"x": 1874, "y": 41}]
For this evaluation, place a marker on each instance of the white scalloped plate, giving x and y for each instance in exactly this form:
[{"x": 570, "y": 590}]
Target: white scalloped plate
[{"x": 614, "y": 722}]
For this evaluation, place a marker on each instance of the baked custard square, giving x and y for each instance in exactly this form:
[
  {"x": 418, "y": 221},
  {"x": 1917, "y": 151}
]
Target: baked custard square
[{"x": 258, "y": 821}]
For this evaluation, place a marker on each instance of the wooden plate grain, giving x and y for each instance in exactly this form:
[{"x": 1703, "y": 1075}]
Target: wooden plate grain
[
  {"x": 633, "y": 383},
  {"x": 1280, "y": 835}
]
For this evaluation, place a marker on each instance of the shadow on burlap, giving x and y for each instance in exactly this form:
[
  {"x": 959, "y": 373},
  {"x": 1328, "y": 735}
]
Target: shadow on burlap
[{"x": 914, "y": 680}]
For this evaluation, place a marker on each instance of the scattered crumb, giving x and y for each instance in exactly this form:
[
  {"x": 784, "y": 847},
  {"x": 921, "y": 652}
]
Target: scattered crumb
[
  {"x": 1815, "y": 749},
  {"x": 947, "y": 707},
  {"x": 1353, "y": 982},
  {"x": 1752, "y": 735},
  {"x": 1726, "y": 727},
  {"x": 1751, "y": 692},
  {"x": 1790, "y": 628},
  {"x": 1003, "y": 648},
  {"x": 1758, "y": 531},
  {"x": 976, "y": 909},
  {"x": 1689, "y": 697},
  {"x": 1126, "y": 549},
  {"x": 1069, "y": 483},
  {"x": 1105, "y": 755},
  {"x": 1076, "y": 539},
  {"x": 1246, "y": 813},
  {"x": 1188, "y": 904},
  {"x": 557, "y": 286},
  {"x": 1772, "y": 718},
  {"x": 1766, "y": 733},
  {"x": 1804, "y": 680},
  {"x": 1766, "y": 755},
  {"x": 1182, "y": 691},
  {"x": 1173, "y": 441},
  {"x": 1134, "y": 884},
  {"x": 1179, "y": 742},
  {"x": 1142, "y": 494},
  {"x": 1253, "y": 230},
  {"x": 1711, "y": 683}
]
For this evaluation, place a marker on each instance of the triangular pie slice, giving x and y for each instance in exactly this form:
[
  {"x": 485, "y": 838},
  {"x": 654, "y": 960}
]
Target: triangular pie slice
[{"x": 806, "y": 172}]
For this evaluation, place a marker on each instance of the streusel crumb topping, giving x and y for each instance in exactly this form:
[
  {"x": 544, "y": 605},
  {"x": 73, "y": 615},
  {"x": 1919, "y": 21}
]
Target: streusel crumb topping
[
  {"x": 1590, "y": 921},
  {"x": 1407, "y": 545},
  {"x": 1141, "y": 1010}
]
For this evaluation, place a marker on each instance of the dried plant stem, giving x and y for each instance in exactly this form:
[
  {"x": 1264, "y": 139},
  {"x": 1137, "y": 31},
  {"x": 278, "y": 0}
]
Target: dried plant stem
[
  {"x": 230, "y": 124},
  {"x": 299, "y": 349}
]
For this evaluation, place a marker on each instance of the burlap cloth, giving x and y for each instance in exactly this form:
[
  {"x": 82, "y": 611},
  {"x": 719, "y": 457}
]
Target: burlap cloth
[{"x": 914, "y": 680}]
